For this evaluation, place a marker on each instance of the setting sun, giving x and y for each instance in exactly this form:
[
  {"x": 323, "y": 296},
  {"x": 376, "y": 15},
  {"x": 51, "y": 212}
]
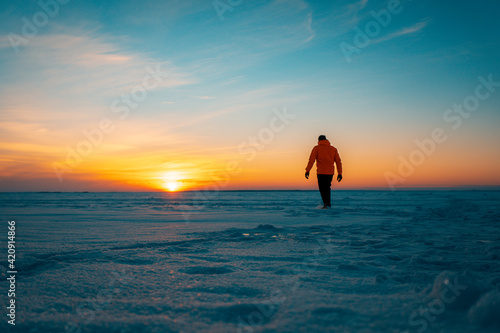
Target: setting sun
[
  {"x": 172, "y": 186},
  {"x": 172, "y": 181}
]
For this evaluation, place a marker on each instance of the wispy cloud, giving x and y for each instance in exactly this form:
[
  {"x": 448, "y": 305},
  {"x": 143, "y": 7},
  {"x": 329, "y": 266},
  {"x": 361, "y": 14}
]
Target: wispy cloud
[
  {"x": 346, "y": 16},
  {"x": 362, "y": 4},
  {"x": 79, "y": 71},
  {"x": 353, "y": 9},
  {"x": 63, "y": 83},
  {"x": 264, "y": 31},
  {"x": 308, "y": 25},
  {"x": 402, "y": 32},
  {"x": 91, "y": 61}
]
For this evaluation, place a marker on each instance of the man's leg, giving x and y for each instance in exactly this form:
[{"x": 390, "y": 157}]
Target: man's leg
[
  {"x": 324, "y": 184},
  {"x": 321, "y": 188},
  {"x": 328, "y": 186}
]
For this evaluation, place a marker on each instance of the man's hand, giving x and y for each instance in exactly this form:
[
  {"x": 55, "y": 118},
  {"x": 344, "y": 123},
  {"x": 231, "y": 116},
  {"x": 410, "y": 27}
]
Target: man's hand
[
  {"x": 339, "y": 178},
  {"x": 307, "y": 175}
]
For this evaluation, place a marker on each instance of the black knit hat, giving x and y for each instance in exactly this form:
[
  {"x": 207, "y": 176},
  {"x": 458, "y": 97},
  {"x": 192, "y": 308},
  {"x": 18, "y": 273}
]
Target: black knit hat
[{"x": 321, "y": 137}]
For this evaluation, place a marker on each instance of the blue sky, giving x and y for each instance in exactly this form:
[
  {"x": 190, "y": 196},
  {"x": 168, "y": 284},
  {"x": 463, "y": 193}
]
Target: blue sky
[{"x": 227, "y": 75}]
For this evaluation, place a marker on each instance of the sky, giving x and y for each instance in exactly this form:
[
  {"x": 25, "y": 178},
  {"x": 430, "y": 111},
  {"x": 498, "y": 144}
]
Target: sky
[{"x": 224, "y": 95}]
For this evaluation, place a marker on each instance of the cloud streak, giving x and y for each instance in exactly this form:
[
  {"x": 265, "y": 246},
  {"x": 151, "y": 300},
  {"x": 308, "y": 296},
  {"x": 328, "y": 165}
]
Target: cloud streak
[
  {"x": 402, "y": 32},
  {"x": 80, "y": 74}
]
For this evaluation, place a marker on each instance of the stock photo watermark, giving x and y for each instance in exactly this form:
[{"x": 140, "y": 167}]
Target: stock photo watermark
[
  {"x": 372, "y": 29},
  {"x": 223, "y": 6},
  {"x": 428, "y": 146},
  {"x": 121, "y": 106},
  {"x": 30, "y": 26},
  {"x": 425, "y": 316},
  {"x": 248, "y": 149},
  {"x": 12, "y": 272}
]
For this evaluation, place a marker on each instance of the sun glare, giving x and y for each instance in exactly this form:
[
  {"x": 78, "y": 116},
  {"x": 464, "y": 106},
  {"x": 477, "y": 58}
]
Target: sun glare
[
  {"x": 172, "y": 186},
  {"x": 172, "y": 181}
]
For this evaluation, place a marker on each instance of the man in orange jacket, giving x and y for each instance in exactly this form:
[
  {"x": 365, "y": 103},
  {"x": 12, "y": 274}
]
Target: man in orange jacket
[{"x": 325, "y": 156}]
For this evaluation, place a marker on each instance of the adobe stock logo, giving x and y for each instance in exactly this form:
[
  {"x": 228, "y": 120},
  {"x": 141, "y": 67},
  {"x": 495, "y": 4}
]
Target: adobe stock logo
[
  {"x": 247, "y": 149},
  {"x": 454, "y": 116},
  {"x": 425, "y": 316},
  {"x": 122, "y": 107},
  {"x": 221, "y": 7},
  {"x": 49, "y": 9},
  {"x": 372, "y": 29}
]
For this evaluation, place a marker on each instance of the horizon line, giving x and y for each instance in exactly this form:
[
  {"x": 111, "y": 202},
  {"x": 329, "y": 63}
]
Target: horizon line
[{"x": 431, "y": 188}]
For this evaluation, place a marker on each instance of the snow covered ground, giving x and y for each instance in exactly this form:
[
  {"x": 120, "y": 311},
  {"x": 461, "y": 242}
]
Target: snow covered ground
[{"x": 379, "y": 261}]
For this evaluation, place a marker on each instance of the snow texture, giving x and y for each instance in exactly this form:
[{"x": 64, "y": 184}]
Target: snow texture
[{"x": 270, "y": 261}]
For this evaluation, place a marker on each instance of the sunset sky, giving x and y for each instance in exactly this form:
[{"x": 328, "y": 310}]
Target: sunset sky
[{"x": 177, "y": 95}]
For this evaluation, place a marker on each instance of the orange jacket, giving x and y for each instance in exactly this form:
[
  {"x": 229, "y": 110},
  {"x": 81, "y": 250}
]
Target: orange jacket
[{"x": 325, "y": 155}]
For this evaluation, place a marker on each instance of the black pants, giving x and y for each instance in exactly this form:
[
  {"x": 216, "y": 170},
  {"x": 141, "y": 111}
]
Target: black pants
[{"x": 324, "y": 184}]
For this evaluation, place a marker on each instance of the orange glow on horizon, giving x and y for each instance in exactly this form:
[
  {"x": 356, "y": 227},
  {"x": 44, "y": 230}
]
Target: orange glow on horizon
[
  {"x": 121, "y": 168},
  {"x": 172, "y": 181}
]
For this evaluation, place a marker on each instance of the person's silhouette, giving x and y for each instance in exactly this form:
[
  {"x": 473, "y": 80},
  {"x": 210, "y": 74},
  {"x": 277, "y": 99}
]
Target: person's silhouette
[{"x": 325, "y": 156}]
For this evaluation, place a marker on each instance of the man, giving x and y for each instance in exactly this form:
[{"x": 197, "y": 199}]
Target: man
[{"x": 325, "y": 156}]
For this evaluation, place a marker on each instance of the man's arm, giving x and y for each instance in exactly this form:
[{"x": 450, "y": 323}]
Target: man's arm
[
  {"x": 312, "y": 158},
  {"x": 338, "y": 162}
]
